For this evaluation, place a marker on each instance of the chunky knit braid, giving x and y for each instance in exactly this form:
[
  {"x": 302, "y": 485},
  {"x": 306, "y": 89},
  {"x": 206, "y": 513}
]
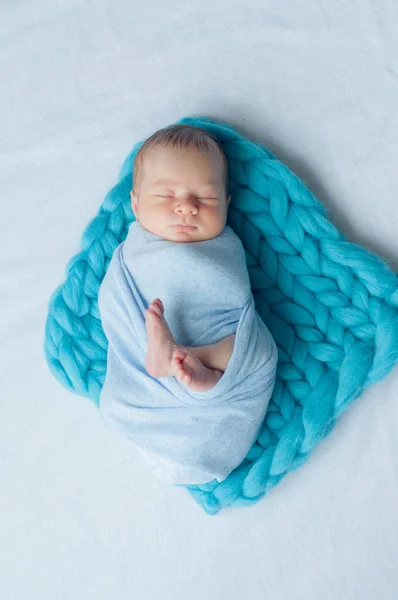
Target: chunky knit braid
[{"x": 330, "y": 305}]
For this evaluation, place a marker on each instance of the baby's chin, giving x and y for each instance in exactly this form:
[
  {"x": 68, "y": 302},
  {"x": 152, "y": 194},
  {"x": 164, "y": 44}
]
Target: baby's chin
[
  {"x": 170, "y": 233},
  {"x": 191, "y": 235}
]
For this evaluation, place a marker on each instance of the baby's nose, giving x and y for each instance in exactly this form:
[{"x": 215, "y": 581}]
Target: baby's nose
[{"x": 187, "y": 206}]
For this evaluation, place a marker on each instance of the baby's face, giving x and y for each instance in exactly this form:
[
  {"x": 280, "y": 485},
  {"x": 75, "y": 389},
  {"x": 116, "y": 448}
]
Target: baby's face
[{"x": 181, "y": 185}]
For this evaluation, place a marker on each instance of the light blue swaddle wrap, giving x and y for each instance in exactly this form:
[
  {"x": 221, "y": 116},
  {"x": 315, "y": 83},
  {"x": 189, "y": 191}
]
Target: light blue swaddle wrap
[{"x": 188, "y": 437}]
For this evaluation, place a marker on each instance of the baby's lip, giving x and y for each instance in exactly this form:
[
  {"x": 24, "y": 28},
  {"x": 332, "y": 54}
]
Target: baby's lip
[{"x": 184, "y": 226}]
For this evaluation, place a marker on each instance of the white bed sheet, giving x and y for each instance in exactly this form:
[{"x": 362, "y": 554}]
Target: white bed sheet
[{"x": 317, "y": 82}]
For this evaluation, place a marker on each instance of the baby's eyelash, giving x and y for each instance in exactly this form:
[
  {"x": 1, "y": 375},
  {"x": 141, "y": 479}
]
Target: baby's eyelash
[{"x": 200, "y": 198}]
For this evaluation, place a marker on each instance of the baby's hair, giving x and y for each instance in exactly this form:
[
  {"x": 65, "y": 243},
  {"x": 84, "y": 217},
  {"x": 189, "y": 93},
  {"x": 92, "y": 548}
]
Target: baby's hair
[{"x": 181, "y": 136}]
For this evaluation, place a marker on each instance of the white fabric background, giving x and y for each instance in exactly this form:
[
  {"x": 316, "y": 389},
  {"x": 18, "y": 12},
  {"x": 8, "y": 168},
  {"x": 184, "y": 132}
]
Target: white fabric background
[{"x": 81, "y": 82}]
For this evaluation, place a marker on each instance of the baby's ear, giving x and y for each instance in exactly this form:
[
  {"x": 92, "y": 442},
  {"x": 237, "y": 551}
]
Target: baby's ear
[
  {"x": 133, "y": 200},
  {"x": 228, "y": 199}
]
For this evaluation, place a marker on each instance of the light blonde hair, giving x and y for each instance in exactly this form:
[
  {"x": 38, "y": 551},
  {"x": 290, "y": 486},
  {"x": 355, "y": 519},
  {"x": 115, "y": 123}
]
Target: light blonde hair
[{"x": 181, "y": 136}]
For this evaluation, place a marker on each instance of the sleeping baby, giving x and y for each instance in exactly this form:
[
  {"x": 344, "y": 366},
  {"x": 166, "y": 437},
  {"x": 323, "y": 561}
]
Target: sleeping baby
[{"x": 190, "y": 364}]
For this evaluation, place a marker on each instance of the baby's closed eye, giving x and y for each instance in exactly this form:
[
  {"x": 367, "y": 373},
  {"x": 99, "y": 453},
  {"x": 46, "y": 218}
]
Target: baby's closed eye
[{"x": 206, "y": 198}]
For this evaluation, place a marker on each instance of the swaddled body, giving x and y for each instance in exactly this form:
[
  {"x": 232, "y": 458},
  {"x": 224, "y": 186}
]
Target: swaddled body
[
  {"x": 196, "y": 411},
  {"x": 190, "y": 437}
]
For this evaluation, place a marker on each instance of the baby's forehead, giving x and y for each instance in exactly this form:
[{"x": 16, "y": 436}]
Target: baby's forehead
[
  {"x": 158, "y": 157},
  {"x": 159, "y": 154}
]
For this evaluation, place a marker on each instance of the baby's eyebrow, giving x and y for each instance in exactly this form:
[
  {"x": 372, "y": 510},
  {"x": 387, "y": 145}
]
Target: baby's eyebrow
[{"x": 164, "y": 181}]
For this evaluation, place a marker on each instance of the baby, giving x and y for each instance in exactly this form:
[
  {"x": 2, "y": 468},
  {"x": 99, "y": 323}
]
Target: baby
[
  {"x": 180, "y": 194},
  {"x": 191, "y": 392}
]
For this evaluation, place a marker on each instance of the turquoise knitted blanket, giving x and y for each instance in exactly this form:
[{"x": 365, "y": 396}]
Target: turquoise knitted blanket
[{"x": 330, "y": 305}]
